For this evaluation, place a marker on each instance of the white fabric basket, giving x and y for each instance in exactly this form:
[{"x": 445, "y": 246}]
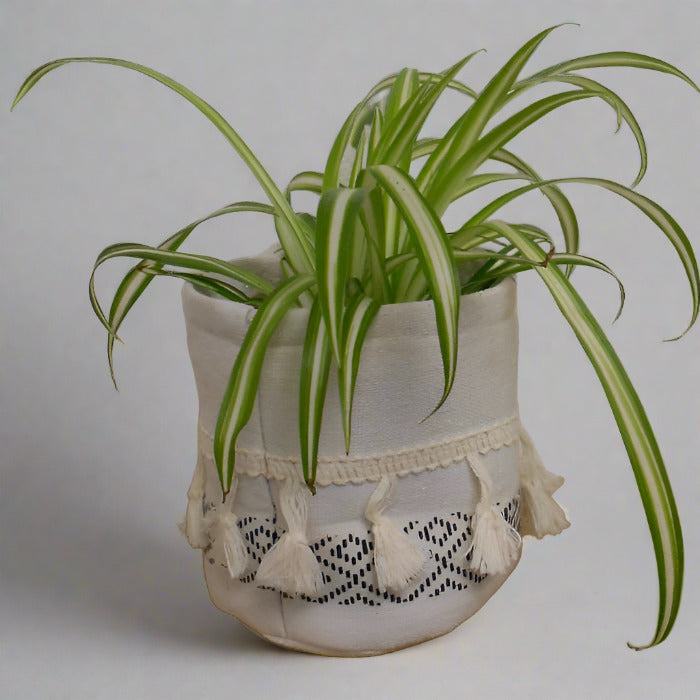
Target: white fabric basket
[{"x": 391, "y": 531}]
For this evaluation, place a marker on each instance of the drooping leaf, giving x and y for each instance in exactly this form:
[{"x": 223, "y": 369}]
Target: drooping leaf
[
  {"x": 357, "y": 319},
  {"x": 495, "y": 139},
  {"x": 308, "y": 181},
  {"x": 295, "y": 246},
  {"x": 616, "y": 102},
  {"x": 560, "y": 203},
  {"x": 239, "y": 397},
  {"x": 666, "y": 223},
  {"x": 206, "y": 283},
  {"x": 435, "y": 257},
  {"x": 315, "y": 367},
  {"x": 635, "y": 430},
  {"x": 336, "y": 222},
  {"x": 135, "y": 281},
  {"x": 610, "y": 59}
]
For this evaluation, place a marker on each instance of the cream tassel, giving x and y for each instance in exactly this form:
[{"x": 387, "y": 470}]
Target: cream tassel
[
  {"x": 397, "y": 558},
  {"x": 193, "y": 526},
  {"x": 540, "y": 514},
  {"x": 495, "y": 543},
  {"x": 290, "y": 565},
  {"x": 226, "y": 535}
]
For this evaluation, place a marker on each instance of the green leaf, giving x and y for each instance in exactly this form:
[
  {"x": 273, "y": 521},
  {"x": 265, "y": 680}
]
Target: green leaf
[
  {"x": 495, "y": 139},
  {"x": 375, "y": 133},
  {"x": 308, "y": 181},
  {"x": 335, "y": 228},
  {"x": 466, "y": 130},
  {"x": 635, "y": 430},
  {"x": 436, "y": 260},
  {"x": 404, "y": 87},
  {"x": 189, "y": 261},
  {"x": 488, "y": 275},
  {"x": 296, "y": 247},
  {"x": 315, "y": 367},
  {"x": 453, "y": 84},
  {"x": 372, "y": 219},
  {"x": 356, "y": 322},
  {"x": 616, "y": 102},
  {"x": 135, "y": 281},
  {"x": 401, "y": 131},
  {"x": 239, "y": 397},
  {"x": 560, "y": 203},
  {"x": 668, "y": 225},
  {"x": 622, "y": 59},
  {"x": 205, "y": 283},
  {"x": 360, "y": 160}
]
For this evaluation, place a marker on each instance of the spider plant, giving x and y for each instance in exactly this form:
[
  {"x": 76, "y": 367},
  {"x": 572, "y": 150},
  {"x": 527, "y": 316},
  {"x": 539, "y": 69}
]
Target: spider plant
[{"x": 377, "y": 237}]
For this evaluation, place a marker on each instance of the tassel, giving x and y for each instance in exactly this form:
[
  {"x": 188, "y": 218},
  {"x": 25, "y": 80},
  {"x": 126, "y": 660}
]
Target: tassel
[
  {"x": 397, "y": 558},
  {"x": 540, "y": 514},
  {"x": 226, "y": 535},
  {"x": 290, "y": 565},
  {"x": 193, "y": 526},
  {"x": 495, "y": 542}
]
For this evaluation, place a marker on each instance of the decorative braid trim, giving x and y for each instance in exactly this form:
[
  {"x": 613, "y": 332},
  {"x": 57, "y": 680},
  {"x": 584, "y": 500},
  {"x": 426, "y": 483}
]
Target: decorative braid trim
[{"x": 357, "y": 470}]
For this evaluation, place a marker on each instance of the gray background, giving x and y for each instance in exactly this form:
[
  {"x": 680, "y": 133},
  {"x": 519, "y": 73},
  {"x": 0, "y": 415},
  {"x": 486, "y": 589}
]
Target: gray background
[{"x": 100, "y": 596}]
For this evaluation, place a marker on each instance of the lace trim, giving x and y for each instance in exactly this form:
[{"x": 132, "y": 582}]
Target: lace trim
[{"x": 357, "y": 470}]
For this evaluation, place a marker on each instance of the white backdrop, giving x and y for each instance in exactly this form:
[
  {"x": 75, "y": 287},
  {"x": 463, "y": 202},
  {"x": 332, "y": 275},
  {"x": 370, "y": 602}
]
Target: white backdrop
[{"x": 100, "y": 597}]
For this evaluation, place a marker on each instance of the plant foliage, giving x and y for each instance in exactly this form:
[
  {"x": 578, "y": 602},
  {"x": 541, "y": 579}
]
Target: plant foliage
[{"x": 377, "y": 238}]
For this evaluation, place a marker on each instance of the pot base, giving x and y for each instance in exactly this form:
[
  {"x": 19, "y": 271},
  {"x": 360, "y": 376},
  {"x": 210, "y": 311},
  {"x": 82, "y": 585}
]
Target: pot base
[{"x": 345, "y": 630}]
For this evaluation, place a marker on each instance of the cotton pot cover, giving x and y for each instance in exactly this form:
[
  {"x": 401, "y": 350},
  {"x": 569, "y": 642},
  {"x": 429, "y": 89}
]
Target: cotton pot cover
[{"x": 410, "y": 533}]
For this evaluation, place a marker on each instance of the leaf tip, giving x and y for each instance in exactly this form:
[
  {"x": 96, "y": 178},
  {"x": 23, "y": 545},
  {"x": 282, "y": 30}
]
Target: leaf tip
[
  {"x": 640, "y": 647},
  {"x": 18, "y": 97}
]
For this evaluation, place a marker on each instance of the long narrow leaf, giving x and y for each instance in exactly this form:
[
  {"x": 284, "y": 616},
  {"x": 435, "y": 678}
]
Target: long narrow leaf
[
  {"x": 466, "y": 130},
  {"x": 637, "y": 435},
  {"x": 495, "y": 139},
  {"x": 239, "y": 397},
  {"x": 622, "y": 110},
  {"x": 668, "y": 225},
  {"x": 308, "y": 181},
  {"x": 404, "y": 87},
  {"x": 611, "y": 59},
  {"x": 372, "y": 218},
  {"x": 435, "y": 256},
  {"x": 402, "y": 130},
  {"x": 135, "y": 281},
  {"x": 315, "y": 367},
  {"x": 336, "y": 222},
  {"x": 560, "y": 203},
  {"x": 357, "y": 320},
  {"x": 189, "y": 261},
  {"x": 295, "y": 246},
  {"x": 205, "y": 282}
]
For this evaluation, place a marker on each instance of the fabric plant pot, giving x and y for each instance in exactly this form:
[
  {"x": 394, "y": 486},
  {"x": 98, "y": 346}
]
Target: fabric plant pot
[{"x": 410, "y": 533}]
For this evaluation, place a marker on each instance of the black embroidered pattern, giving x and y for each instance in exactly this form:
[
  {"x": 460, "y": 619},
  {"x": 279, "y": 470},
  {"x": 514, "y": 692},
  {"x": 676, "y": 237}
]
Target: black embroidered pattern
[{"x": 348, "y": 568}]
